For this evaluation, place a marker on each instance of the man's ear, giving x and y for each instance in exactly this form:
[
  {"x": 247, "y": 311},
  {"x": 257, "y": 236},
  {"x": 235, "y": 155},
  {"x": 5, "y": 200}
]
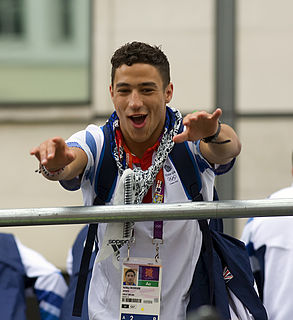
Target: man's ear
[
  {"x": 111, "y": 91},
  {"x": 169, "y": 92}
]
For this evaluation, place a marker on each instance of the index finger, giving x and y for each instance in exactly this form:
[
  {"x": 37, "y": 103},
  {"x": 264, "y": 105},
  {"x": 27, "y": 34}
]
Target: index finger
[
  {"x": 217, "y": 114},
  {"x": 35, "y": 152},
  {"x": 53, "y": 145}
]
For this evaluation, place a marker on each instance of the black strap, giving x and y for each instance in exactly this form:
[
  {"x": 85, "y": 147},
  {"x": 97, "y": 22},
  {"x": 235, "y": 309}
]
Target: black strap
[
  {"x": 83, "y": 271},
  {"x": 189, "y": 174},
  {"x": 106, "y": 176},
  {"x": 207, "y": 243}
]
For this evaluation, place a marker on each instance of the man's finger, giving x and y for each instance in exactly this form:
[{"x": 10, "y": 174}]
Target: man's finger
[
  {"x": 58, "y": 141},
  {"x": 51, "y": 150},
  {"x": 35, "y": 152},
  {"x": 43, "y": 154},
  {"x": 181, "y": 137},
  {"x": 217, "y": 114}
]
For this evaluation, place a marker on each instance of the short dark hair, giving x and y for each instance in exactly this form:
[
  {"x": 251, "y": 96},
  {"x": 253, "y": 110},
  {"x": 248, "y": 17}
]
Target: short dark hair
[
  {"x": 129, "y": 270},
  {"x": 140, "y": 52}
]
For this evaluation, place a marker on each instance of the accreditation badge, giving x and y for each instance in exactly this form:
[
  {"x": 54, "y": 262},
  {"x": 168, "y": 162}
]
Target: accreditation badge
[{"x": 140, "y": 289}]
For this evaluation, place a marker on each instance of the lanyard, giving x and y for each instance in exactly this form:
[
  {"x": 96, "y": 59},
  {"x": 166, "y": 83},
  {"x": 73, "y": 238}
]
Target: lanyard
[
  {"x": 158, "y": 225},
  {"x": 158, "y": 197}
]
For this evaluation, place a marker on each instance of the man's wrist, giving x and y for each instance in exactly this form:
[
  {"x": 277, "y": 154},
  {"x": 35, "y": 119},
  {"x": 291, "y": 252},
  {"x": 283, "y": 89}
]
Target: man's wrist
[
  {"x": 214, "y": 137},
  {"x": 50, "y": 174}
]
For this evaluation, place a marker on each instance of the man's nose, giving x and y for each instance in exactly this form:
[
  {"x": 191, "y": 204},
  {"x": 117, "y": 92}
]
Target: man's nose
[{"x": 135, "y": 99}]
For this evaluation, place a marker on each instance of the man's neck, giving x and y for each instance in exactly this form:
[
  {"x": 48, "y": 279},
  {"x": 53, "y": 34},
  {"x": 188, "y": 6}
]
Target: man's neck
[{"x": 139, "y": 149}]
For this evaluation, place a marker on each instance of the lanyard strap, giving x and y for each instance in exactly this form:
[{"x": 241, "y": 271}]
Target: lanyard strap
[
  {"x": 157, "y": 236},
  {"x": 158, "y": 231},
  {"x": 158, "y": 194},
  {"x": 159, "y": 198}
]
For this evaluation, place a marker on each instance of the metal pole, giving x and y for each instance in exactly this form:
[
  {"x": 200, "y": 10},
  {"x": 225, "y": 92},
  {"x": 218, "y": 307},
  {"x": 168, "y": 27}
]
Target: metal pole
[
  {"x": 146, "y": 212},
  {"x": 225, "y": 85}
]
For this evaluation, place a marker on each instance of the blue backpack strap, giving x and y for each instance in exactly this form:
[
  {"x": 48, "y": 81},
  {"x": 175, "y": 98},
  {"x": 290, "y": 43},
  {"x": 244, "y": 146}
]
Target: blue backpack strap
[
  {"x": 188, "y": 172},
  {"x": 107, "y": 172},
  {"x": 106, "y": 177},
  {"x": 77, "y": 252},
  {"x": 84, "y": 270}
]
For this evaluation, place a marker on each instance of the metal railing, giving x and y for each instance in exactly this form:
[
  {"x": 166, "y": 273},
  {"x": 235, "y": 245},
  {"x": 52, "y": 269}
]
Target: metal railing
[{"x": 146, "y": 212}]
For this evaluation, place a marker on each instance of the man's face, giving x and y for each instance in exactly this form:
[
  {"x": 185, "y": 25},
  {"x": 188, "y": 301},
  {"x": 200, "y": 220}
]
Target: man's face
[
  {"x": 140, "y": 102},
  {"x": 129, "y": 278}
]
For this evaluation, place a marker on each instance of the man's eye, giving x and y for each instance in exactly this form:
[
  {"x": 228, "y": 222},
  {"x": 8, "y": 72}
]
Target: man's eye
[
  {"x": 147, "y": 90},
  {"x": 123, "y": 90}
]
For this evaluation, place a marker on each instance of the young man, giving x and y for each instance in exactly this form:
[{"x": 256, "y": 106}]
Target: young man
[{"x": 143, "y": 131}]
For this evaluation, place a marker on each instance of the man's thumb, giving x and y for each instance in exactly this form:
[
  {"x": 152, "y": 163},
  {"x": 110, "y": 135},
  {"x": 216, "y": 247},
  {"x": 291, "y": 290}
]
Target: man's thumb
[{"x": 181, "y": 137}]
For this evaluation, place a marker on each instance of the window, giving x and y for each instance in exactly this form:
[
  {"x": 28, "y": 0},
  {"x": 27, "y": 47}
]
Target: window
[
  {"x": 45, "y": 50},
  {"x": 11, "y": 18},
  {"x": 66, "y": 19}
]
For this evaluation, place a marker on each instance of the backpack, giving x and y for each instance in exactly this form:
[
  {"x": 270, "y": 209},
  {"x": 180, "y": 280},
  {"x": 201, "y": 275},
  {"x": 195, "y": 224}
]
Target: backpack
[
  {"x": 218, "y": 251},
  {"x": 12, "y": 280}
]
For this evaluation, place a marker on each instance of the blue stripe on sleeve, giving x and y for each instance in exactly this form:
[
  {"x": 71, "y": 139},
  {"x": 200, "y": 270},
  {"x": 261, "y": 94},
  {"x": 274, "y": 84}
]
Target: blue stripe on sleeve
[
  {"x": 223, "y": 168},
  {"x": 74, "y": 144},
  {"x": 203, "y": 164},
  {"x": 99, "y": 166},
  {"x": 250, "y": 219},
  {"x": 90, "y": 141},
  {"x": 50, "y": 297}
]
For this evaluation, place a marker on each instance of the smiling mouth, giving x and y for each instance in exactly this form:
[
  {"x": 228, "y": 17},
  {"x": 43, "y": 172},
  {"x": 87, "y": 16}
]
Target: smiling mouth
[{"x": 139, "y": 119}]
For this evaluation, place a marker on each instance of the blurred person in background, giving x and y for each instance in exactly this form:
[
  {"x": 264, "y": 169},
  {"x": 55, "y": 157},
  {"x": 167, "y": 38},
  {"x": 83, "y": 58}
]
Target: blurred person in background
[
  {"x": 22, "y": 268},
  {"x": 269, "y": 242}
]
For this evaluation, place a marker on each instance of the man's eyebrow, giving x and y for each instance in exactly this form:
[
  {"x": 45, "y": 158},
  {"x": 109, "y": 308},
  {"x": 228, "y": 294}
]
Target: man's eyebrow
[
  {"x": 149, "y": 84},
  {"x": 122, "y": 84},
  {"x": 143, "y": 84}
]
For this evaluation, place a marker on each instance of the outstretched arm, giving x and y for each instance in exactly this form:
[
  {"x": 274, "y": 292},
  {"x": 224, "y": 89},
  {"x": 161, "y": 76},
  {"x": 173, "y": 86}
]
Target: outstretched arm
[
  {"x": 201, "y": 125},
  {"x": 59, "y": 161}
]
